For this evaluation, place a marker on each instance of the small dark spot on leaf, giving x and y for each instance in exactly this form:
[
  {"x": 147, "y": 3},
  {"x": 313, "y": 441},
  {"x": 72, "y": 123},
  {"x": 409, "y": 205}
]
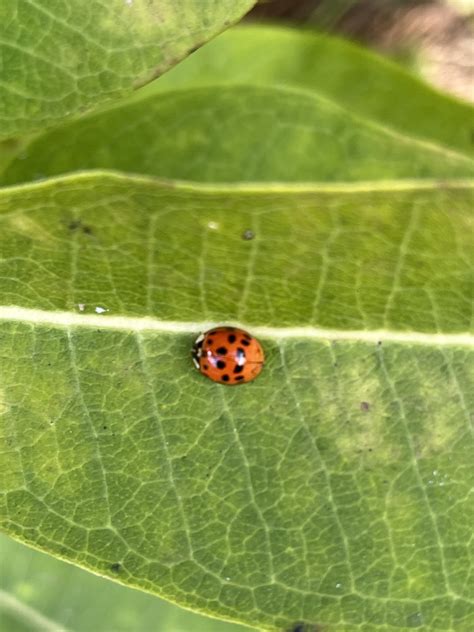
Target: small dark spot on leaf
[
  {"x": 248, "y": 235},
  {"x": 87, "y": 230},
  {"x": 74, "y": 224},
  {"x": 379, "y": 343},
  {"x": 104, "y": 427},
  {"x": 370, "y": 449},
  {"x": 305, "y": 627},
  {"x": 116, "y": 567},
  {"x": 365, "y": 406}
]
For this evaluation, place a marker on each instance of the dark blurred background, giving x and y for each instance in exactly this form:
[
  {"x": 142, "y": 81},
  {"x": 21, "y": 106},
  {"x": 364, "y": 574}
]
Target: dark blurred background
[{"x": 434, "y": 37}]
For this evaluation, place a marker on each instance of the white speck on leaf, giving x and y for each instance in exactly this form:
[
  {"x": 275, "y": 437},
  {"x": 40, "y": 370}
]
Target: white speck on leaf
[
  {"x": 213, "y": 225},
  {"x": 81, "y": 307},
  {"x": 100, "y": 310}
]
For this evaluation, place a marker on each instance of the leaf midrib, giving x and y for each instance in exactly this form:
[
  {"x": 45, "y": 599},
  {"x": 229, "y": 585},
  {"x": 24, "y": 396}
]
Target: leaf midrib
[
  {"x": 27, "y": 614},
  {"x": 251, "y": 188},
  {"x": 66, "y": 320}
]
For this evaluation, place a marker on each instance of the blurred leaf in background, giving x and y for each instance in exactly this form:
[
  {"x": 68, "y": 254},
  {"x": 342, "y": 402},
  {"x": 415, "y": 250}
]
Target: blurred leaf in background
[{"x": 39, "y": 593}]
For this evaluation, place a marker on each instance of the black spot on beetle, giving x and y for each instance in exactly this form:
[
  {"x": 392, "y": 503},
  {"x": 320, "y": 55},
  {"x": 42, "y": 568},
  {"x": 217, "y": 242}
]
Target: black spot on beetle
[
  {"x": 209, "y": 341},
  {"x": 221, "y": 364},
  {"x": 239, "y": 377},
  {"x": 231, "y": 338},
  {"x": 238, "y": 369},
  {"x": 225, "y": 378},
  {"x": 206, "y": 366},
  {"x": 246, "y": 343},
  {"x": 221, "y": 351},
  {"x": 116, "y": 567}
]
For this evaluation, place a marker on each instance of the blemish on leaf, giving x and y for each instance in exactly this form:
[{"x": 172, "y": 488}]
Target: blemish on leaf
[
  {"x": 116, "y": 567},
  {"x": 301, "y": 626},
  {"x": 76, "y": 224},
  {"x": 365, "y": 407},
  {"x": 248, "y": 235}
]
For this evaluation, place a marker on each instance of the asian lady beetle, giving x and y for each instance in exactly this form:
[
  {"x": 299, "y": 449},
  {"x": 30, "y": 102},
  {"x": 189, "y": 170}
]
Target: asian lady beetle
[{"x": 228, "y": 355}]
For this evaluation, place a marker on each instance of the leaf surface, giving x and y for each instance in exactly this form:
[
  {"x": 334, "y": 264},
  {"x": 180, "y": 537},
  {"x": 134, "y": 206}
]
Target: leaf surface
[
  {"x": 38, "y": 592},
  {"x": 334, "y": 489},
  {"x": 363, "y": 82},
  {"x": 236, "y": 133},
  {"x": 59, "y": 59}
]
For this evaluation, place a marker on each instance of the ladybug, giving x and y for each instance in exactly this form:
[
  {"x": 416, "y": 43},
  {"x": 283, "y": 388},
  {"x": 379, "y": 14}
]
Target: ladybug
[{"x": 228, "y": 355}]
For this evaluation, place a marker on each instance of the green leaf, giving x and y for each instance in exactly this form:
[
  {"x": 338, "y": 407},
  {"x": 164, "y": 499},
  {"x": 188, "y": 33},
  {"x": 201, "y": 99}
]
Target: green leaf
[
  {"x": 288, "y": 122},
  {"x": 59, "y": 59},
  {"x": 334, "y": 489},
  {"x": 38, "y": 592},
  {"x": 366, "y": 84},
  {"x": 233, "y": 134}
]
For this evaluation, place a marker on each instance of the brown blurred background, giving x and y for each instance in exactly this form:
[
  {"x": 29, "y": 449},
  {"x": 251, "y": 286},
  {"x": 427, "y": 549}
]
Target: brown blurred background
[{"x": 434, "y": 37}]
